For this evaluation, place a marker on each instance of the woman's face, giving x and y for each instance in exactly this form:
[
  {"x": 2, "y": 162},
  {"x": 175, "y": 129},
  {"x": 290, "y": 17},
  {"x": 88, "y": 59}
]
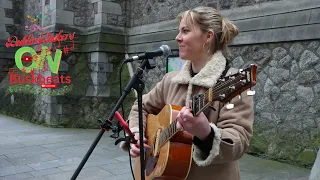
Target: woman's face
[{"x": 191, "y": 40}]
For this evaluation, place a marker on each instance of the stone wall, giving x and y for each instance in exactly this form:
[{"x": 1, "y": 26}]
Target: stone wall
[
  {"x": 152, "y": 11},
  {"x": 287, "y": 108}
]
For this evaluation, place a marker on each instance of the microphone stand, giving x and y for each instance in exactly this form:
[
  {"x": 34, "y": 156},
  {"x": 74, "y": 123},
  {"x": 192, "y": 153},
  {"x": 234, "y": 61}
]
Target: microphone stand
[{"x": 136, "y": 83}]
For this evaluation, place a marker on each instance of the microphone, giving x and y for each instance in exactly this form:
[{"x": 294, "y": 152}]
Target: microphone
[{"x": 163, "y": 50}]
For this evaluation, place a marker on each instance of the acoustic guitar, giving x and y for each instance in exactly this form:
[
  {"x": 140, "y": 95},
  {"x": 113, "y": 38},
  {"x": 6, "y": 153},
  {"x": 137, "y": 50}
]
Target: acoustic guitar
[{"x": 170, "y": 155}]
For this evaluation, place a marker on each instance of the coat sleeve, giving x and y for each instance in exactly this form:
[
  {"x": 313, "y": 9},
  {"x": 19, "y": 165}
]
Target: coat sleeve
[
  {"x": 152, "y": 103},
  {"x": 232, "y": 133}
]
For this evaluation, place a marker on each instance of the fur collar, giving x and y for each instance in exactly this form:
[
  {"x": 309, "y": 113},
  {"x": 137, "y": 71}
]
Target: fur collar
[{"x": 207, "y": 77}]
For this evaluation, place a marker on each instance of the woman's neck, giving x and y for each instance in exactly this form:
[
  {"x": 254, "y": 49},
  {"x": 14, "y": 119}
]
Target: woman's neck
[{"x": 198, "y": 64}]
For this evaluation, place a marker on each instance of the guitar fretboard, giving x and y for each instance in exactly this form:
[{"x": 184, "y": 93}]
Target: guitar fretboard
[{"x": 168, "y": 132}]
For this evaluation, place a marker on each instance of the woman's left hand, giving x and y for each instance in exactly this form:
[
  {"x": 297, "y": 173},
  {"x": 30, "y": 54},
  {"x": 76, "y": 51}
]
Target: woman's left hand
[{"x": 198, "y": 126}]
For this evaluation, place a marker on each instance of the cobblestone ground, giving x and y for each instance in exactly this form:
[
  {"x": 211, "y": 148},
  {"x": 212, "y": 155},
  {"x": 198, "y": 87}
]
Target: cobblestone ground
[{"x": 33, "y": 152}]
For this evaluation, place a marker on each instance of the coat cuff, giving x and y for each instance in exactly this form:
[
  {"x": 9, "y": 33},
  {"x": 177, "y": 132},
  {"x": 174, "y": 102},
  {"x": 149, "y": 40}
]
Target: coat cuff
[
  {"x": 125, "y": 146},
  {"x": 202, "y": 159}
]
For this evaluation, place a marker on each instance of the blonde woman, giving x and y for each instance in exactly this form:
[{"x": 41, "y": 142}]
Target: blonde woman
[{"x": 220, "y": 136}]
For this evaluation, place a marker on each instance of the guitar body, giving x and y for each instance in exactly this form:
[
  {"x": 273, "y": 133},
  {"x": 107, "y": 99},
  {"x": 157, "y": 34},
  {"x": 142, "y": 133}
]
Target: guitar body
[{"x": 171, "y": 161}]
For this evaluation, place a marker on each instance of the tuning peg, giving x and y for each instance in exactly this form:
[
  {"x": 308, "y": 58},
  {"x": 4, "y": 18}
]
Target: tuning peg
[
  {"x": 240, "y": 97},
  {"x": 230, "y": 106},
  {"x": 251, "y": 92}
]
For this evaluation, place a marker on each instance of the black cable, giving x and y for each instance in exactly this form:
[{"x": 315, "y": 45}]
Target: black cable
[{"x": 123, "y": 115}]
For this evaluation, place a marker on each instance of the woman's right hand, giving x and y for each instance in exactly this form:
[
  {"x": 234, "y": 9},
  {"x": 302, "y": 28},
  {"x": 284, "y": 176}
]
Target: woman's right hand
[{"x": 135, "y": 148}]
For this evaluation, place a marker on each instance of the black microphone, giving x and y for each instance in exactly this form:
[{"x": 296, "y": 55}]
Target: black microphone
[{"x": 163, "y": 50}]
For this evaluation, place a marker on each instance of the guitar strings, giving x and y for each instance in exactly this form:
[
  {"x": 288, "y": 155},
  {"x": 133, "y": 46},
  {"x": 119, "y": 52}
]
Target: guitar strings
[{"x": 230, "y": 81}]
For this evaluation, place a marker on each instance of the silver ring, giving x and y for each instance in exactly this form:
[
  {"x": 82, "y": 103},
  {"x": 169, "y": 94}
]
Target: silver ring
[{"x": 184, "y": 119}]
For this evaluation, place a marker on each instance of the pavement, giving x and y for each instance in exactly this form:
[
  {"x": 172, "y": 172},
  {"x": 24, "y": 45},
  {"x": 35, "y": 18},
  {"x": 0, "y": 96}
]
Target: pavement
[{"x": 32, "y": 152}]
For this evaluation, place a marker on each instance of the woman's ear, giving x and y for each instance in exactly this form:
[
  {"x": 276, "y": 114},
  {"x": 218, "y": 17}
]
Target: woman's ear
[{"x": 210, "y": 36}]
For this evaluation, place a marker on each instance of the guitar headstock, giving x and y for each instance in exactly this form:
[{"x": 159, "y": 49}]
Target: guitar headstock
[
  {"x": 233, "y": 85},
  {"x": 227, "y": 88}
]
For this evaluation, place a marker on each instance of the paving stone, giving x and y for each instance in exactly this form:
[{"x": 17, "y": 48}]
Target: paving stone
[
  {"x": 119, "y": 177},
  {"x": 69, "y": 168},
  {"x": 249, "y": 176},
  {"x": 54, "y": 163},
  {"x": 87, "y": 174},
  {"x": 117, "y": 168},
  {"x": 5, "y": 146},
  {"x": 5, "y": 163},
  {"x": 62, "y": 144},
  {"x": 123, "y": 158},
  {"x": 36, "y": 178},
  {"x": 17, "y": 176},
  {"x": 14, "y": 170},
  {"x": 31, "y": 149},
  {"x": 32, "y": 159},
  {"x": 45, "y": 172}
]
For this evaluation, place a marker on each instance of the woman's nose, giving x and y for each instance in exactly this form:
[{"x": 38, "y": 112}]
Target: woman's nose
[{"x": 178, "y": 38}]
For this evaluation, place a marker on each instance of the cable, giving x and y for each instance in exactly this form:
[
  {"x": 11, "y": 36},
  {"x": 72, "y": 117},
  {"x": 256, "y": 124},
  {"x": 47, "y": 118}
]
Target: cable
[{"x": 123, "y": 115}]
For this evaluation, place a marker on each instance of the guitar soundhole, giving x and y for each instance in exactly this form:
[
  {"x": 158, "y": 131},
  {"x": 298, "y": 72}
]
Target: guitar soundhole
[{"x": 151, "y": 164}]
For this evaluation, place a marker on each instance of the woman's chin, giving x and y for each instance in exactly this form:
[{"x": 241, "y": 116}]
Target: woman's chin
[{"x": 183, "y": 57}]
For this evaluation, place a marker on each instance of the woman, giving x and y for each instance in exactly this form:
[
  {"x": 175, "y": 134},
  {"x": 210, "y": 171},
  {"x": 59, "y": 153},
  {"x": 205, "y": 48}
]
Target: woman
[{"x": 220, "y": 136}]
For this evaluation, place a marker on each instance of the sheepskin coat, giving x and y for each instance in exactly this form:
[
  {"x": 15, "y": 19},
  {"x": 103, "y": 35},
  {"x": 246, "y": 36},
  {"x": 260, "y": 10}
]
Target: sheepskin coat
[{"x": 232, "y": 128}]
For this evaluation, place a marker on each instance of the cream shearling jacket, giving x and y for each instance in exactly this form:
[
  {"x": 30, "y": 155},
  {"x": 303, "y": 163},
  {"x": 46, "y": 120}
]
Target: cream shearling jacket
[{"x": 232, "y": 128}]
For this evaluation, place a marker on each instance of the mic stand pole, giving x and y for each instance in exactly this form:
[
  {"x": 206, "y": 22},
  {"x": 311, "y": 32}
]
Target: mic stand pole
[{"x": 136, "y": 83}]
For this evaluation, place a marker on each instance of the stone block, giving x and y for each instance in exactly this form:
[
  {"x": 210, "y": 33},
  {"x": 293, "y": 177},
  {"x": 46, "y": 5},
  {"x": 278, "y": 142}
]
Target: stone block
[
  {"x": 279, "y": 20},
  {"x": 99, "y": 57},
  {"x": 6, "y": 20},
  {"x": 297, "y": 18},
  {"x": 242, "y": 12},
  {"x": 3, "y": 28},
  {"x": 6, "y": 4},
  {"x": 91, "y": 90},
  {"x": 276, "y": 7},
  {"x": 153, "y": 37},
  {"x": 99, "y": 18},
  {"x": 254, "y": 23},
  {"x": 109, "y": 7},
  {"x": 309, "y": 4},
  {"x": 2, "y": 12},
  {"x": 105, "y": 47},
  {"x": 52, "y": 119},
  {"x": 138, "y": 48},
  {"x": 59, "y": 109},
  {"x": 101, "y": 67},
  {"x": 154, "y": 27},
  {"x": 106, "y": 18},
  {"x": 56, "y": 4},
  {"x": 315, "y": 16},
  {"x": 98, "y": 78},
  {"x": 63, "y": 66},
  {"x": 49, "y": 99},
  {"x": 63, "y": 17}
]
